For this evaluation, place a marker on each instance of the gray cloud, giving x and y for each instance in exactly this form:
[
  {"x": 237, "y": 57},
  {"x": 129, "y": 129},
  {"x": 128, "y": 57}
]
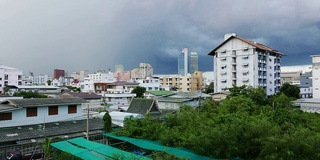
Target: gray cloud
[{"x": 73, "y": 35}]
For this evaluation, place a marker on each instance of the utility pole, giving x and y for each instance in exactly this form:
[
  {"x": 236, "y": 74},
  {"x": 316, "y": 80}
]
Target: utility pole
[{"x": 88, "y": 121}]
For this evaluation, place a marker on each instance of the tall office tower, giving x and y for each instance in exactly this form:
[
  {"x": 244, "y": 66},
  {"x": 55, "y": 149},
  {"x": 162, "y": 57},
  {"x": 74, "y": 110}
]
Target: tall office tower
[
  {"x": 193, "y": 62},
  {"x": 238, "y": 61},
  {"x": 57, "y": 73},
  {"x": 119, "y": 68},
  {"x": 316, "y": 76},
  {"x": 183, "y": 62}
]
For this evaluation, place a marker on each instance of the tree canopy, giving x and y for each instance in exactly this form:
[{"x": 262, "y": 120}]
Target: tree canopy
[
  {"x": 139, "y": 91},
  {"x": 290, "y": 90},
  {"x": 247, "y": 125},
  {"x": 29, "y": 94}
]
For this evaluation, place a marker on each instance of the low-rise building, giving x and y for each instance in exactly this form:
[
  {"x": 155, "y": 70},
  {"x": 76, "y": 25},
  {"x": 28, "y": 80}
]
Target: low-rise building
[
  {"x": 9, "y": 76},
  {"x": 176, "y": 100},
  {"x": 18, "y": 112}
]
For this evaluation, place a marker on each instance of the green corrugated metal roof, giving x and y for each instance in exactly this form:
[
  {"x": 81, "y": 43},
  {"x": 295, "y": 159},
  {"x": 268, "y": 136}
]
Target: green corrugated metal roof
[
  {"x": 160, "y": 93},
  {"x": 77, "y": 151},
  {"x": 105, "y": 150},
  {"x": 151, "y": 145}
]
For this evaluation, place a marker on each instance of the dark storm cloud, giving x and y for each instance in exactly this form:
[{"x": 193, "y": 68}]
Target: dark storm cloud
[{"x": 39, "y": 36}]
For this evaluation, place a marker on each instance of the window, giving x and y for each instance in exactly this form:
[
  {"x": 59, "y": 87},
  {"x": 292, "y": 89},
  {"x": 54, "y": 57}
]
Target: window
[
  {"x": 223, "y": 66},
  {"x": 32, "y": 112},
  {"x": 245, "y": 57},
  {"x": 5, "y": 116},
  {"x": 72, "y": 109},
  {"x": 223, "y": 59},
  {"x": 0, "y": 79},
  {"x": 53, "y": 110},
  {"x": 245, "y": 65},
  {"x": 224, "y": 81}
]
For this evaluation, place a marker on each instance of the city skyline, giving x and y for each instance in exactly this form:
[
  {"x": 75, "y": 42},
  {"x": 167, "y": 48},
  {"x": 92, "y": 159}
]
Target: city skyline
[{"x": 38, "y": 36}]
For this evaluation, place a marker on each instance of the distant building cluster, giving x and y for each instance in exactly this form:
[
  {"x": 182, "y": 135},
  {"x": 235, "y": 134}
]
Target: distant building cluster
[
  {"x": 80, "y": 95},
  {"x": 237, "y": 61}
]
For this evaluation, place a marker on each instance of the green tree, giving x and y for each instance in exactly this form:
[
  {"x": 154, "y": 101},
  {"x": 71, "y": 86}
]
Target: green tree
[
  {"x": 246, "y": 125},
  {"x": 6, "y": 90},
  {"x": 139, "y": 91},
  {"x": 290, "y": 90},
  {"x": 209, "y": 89},
  {"x": 29, "y": 94},
  {"x": 49, "y": 82},
  {"x": 107, "y": 123}
]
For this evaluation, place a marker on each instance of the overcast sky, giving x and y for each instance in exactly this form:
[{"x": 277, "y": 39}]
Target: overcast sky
[{"x": 40, "y": 35}]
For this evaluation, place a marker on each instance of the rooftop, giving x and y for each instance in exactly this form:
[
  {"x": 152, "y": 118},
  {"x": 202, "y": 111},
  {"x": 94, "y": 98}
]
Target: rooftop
[
  {"x": 33, "y": 102},
  {"x": 255, "y": 44}
]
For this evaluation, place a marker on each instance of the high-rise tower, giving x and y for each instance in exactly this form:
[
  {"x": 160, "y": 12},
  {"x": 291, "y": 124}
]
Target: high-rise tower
[
  {"x": 193, "y": 62},
  {"x": 183, "y": 62}
]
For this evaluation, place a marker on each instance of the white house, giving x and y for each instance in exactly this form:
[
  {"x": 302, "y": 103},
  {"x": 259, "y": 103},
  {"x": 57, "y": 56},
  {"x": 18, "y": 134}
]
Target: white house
[
  {"x": 238, "y": 61},
  {"x": 19, "y": 112}
]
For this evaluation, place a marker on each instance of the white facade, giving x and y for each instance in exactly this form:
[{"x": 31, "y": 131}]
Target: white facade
[
  {"x": 102, "y": 76},
  {"x": 121, "y": 99},
  {"x": 37, "y": 80},
  {"x": 316, "y": 76},
  {"x": 87, "y": 85},
  {"x": 9, "y": 76},
  {"x": 62, "y": 81},
  {"x": 151, "y": 84},
  {"x": 242, "y": 62}
]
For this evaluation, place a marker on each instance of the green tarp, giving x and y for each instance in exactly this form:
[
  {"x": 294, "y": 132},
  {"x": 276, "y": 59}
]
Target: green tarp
[
  {"x": 76, "y": 151},
  {"x": 105, "y": 150},
  {"x": 151, "y": 145}
]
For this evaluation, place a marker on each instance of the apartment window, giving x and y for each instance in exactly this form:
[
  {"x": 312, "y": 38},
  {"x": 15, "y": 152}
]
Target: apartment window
[
  {"x": 245, "y": 65},
  {"x": 224, "y": 81},
  {"x": 53, "y": 110},
  {"x": 72, "y": 109},
  {"x": 245, "y": 57},
  {"x": 0, "y": 85},
  {"x": 223, "y": 59},
  {"x": 32, "y": 112},
  {"x": 6, "y": 77},
  {"x": 5, "y": 116},
  {"x": 1, "y": 79},
  {"x": 223, "y": 73}
]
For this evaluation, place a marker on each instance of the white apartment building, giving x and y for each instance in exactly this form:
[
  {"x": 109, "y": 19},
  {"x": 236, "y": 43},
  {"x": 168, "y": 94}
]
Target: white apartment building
[
  {"x": 62, "y": 81},
  {"x": 238, "y": 61},
  {"x": 36, "y": 80},
  {"x": 9, "y": 76},
  {"x": 316, "y": 76},
  {"x": 151, "y": 84},
  {"x": 102, "y": 76}
]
